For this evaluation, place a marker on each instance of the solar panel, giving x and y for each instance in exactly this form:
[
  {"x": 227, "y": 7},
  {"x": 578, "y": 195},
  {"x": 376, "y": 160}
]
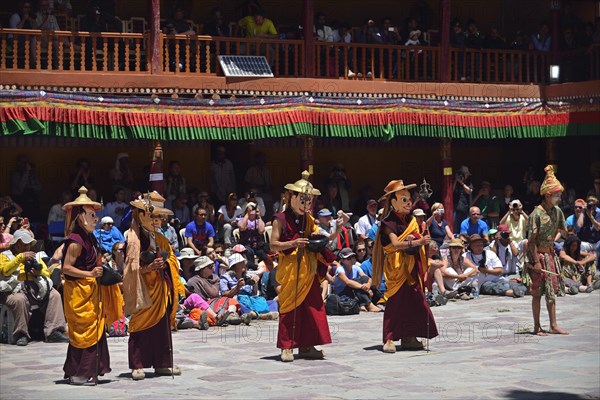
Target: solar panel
[{"x": 246, "y": 66}]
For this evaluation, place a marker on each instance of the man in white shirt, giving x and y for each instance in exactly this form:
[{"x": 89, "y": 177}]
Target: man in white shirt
[
  {"x": 324, "y": 32},
  {"x": 222, "y": 176},
  {"x": 364, "y": 224},
  {"x": 507, "y": 251},
  {"x": 490, "y": 279}
]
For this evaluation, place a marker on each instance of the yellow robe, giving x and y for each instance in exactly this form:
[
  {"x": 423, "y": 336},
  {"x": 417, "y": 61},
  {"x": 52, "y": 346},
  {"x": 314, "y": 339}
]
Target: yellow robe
[
  {"x": 398, "y": 265},
  {"x": 159, "y": 291},
  {"x": 86, "y": 313},
  {"x": 287, "y": 268}
]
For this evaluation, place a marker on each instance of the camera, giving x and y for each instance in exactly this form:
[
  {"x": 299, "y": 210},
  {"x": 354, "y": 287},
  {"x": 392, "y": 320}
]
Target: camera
[
  {"x": 176, "y": 221},
  {"x": 460, "y": 177},
  {"x": 251, "y": 195},
  {"x": 440, "y": 211},
  {"x": 504, "y": 235},
  {"x": 31, "y": 265},
  {"x": 590, "y": 206},
  {"x": 481, "y": 263},
  {"x": 515, "y": 206}
]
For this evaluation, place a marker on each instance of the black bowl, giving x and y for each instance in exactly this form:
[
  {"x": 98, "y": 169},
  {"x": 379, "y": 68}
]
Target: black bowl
[{"x": 317, "y": 243}]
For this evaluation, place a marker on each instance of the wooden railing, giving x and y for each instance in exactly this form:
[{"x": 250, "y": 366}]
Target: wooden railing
[
  {"x": 389, "y": 62},
  {"x": 72, "y": 51},
  {"x": 180, "y": 54},
  {"x": 199, "y": 54}
]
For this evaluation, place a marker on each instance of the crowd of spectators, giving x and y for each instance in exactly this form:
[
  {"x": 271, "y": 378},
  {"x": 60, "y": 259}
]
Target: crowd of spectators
[
  {"x": 222, "y": 239},
  {"x": 252, "y": 21}
]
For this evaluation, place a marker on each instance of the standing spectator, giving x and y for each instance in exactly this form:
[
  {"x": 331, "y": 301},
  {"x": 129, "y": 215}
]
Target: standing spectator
[
  {"x": 116, "y": 209},
  {"x": 61, "y": 6},
  {"x": 108, "y": 234},
  {"x": 121, "y": 176},
  {"x": 259, "y": 176},
  {"x": 474, "y": 225},
  {"x": 217, "y": 26},
  {"x": 488, "y": 204},
  {"x": 595, "y": 190},
  {"x": 462, "y": 190},
  {"x": 175, "y": 182},
  {"x": 339, "y": 178},
  {"x": 222, "y": 176},
  {"x": 542, "y": 41},
  {"x": 83, "y": 176},
  {"x": 364, "y": 224},
  {"x": 252, "y": 230},
  {"x": 494, "y": 40},
  {"x": 26, "y": 187},
  {"x": 169, "y": 232},
  {"x": 323, "y": 32},
  {"x": 178, "y": 25},
  {"x": 57, "y": 213},
  {"x": 181, "y": 211},
  {"x": 257, "y": 25},
  {"x": 199, "y": 233},
  {"x": 505, "y": 201},
  {"x": 24, "y": 19},
  {"x": 533, "y": 197}
]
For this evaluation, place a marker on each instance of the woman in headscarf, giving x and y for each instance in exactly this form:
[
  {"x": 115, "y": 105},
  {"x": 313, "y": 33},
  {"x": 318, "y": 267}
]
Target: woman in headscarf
[{"x": 88, "y": 305}]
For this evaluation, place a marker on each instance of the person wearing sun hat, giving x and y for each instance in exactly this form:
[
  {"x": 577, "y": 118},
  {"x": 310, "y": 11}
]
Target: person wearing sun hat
[
  {"x": 87, "y": 356},
  {"x": 542, "y": 272},
  {"x": 399, "y": 254},
  {"x": 151, "y": 288},
  {"x": 300, "y": 271}
]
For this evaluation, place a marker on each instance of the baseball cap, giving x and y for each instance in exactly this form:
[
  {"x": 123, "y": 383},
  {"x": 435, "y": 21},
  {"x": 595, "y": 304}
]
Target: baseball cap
[
  {"x": 324, "y": 213},
  {"x": 503, "y": 228},
  {"x": 107, "y": 220},
  {"x": 417, "y": 212},
  {"x": 347, "y": 253},
  {"x": 371, "y": 202},
  {"x": 239, "y": 248}
]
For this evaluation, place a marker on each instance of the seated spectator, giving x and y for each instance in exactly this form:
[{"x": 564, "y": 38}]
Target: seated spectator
[
  {"x": 413, "y": 38},
  {"x": 572, "y": 219},
  {"x": 9, "y": 209},
  {"x": 351, "y": 281},
  {"x": 57, "y": 214},
  {"x": 252, "y": 231},
  {"x": 578, "y": 270},
  {"x": 457, "y": 35},
  {"x": 5, "y": 236},
  {"x": 542, "y": 40},
  {"x": 473, "y": 225},
  {"x": 516, "y": 220},
  {"x": 473, "y": 38},
  {"x": 271, "y": 286},
  {"x": 186, "y": 259},
  {"x": 117, "y": 261},
  {"x": 438, "y": 227},
  {"x": 507, "y": 251},
  {"x": 434, "y": 280},
  {"x": 410, "y": 24},
  {"x": 367, "y": 268},
  {"x": 506, "y": 200},
  {"x": 169, "y": 232},
  {"x": 227, "y": 218},
  {"x": 595, "y": 190},
  {"x": 116, "y": 209},
  {"x": 360, "y": 249},
  {"x": 322, "y": 32},
  {"x": 420, "y": 215},
  {"x": 253, "y": 196},
  {"x": 181, "y": 211},
  {"x": 330, "y": 227},
  {"x": 199, "y": 233},
  {"x": 365, "y": 222},
  {"x": 490, "y": 280},
  {"x": 458, "y": 272},
  {"x": 217, "y": 26},
  {"x": 493, "y": 40},
  {"x": 24, "y": 281},
  {"x": 24, "y": 19},
  {"x": 488, "y": 204},
  {"x": 108, "y": 234},
  {"x": 204, "y": 202},
  {"x": 178, "y": 25},
  {"x": 217, "y": 254},
  {"x": 390, "y": 33},
  {"x": 589, "y": 226}
]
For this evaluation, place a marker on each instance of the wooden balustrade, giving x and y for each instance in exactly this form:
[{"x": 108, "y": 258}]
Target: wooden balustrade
[
  {"x": 181, "y": 54},
  {"x": 377, "y": 61},
  {"x": 72, "y": 51},
  {"x": 199, "y": 54}
]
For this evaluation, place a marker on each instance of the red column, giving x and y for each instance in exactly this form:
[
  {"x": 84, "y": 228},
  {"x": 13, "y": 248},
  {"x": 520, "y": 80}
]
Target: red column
[
  {"x": 156, "y": 170},
  {"x": 447, "y": 195},
  {"x": 445, "y": 40},
  {"x": 309, "y": 40},
  {"x": 155, "y": 43}
]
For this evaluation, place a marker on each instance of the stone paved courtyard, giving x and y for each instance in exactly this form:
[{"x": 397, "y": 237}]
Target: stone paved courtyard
[{"x": 483, "y": 351}]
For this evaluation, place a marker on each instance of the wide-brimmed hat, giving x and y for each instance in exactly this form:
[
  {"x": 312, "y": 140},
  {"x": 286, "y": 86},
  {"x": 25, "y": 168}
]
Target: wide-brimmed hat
[
  {"x": 24, "y": 236},
  {"x": 413, "y": 33},
  {"x": 475, "y": 237},
  {"x": 82, "y": 200},
  {"x": 303, "y": 185},
  {"x": 395, "y": 186},
  {"x": 203, "y": 262},
  {"x": 417, "y": 212},
  {"x": 236, "y": 258},
  {"x": 187, "y": 253},
  {"x": 456, "y": 242},
  {"x": 151, "y": 202}
]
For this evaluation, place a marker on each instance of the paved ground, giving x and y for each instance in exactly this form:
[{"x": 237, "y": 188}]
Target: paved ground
[{"x": 481, "y": 353}]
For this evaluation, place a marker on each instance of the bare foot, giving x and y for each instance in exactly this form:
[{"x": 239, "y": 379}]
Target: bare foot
[
  {"x": 373, "y": 308},
  {"x": 363, "y": 308},
  {"x": 558, "y": 331},
  {"x": 539, "y": 332}
]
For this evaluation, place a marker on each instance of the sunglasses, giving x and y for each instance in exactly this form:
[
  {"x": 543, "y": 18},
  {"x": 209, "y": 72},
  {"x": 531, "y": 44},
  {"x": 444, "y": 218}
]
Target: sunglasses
[
  {"x": 218, "y": 252},
  {"x": 361, "y": 250},
  {"x": 578, "y": 207}
]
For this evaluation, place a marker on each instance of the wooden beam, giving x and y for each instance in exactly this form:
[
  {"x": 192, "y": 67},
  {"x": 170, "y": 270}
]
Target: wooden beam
[
  {"x": 445, "y": 40},
  {"x": 155, "y": 37},
  {"x": 309, "y": 40}
]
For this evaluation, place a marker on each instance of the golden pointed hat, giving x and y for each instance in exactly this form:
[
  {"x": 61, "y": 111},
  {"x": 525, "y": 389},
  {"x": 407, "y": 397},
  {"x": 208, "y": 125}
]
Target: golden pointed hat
[
  {"x": 303, "y": 185},
  {"x": 395, "y": 186},
  {"x": 82, "y": 200},
  {"x": 151, "y": 202},
  {"x": 550, "y": 184}
]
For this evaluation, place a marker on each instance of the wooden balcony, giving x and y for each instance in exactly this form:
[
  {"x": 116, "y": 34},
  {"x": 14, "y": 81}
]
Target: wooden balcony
[{"x": 63, "y": 58}]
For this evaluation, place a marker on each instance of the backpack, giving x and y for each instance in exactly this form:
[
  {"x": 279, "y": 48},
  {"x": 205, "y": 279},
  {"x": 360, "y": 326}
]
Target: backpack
[
  {"x": 118, "y": 328},
  {"x": 341, "y": 305}
]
